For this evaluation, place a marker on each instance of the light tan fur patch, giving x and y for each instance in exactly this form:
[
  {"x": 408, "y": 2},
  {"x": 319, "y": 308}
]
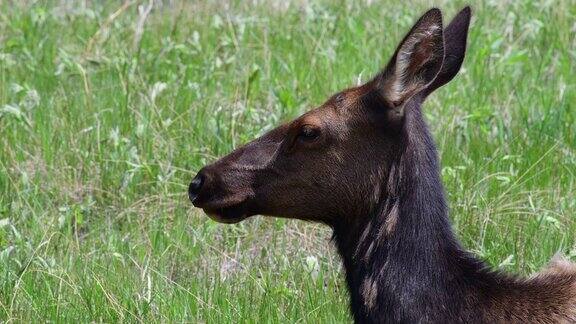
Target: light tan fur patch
[{"x": 369, "y": 291}]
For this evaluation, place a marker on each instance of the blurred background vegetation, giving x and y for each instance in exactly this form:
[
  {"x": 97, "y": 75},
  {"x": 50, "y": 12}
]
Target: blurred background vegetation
[{"x": 108, "y": 108}]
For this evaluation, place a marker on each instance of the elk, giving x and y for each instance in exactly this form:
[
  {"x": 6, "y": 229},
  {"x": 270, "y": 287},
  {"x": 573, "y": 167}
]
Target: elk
[{"x": 365, "y": 164}]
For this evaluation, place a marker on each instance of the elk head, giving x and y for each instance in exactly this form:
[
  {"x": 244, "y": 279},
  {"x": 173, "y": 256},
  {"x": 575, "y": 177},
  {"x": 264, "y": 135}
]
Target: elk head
[{"x": 333, "y": 163}]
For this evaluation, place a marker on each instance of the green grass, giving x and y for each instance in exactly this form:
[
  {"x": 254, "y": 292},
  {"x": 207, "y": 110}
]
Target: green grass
[{"x": 101, "y": 133}]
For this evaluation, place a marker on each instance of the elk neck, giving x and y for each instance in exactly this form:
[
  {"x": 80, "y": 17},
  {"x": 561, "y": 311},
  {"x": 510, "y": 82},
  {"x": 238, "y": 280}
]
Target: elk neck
[{"x": 403, "y": 259}]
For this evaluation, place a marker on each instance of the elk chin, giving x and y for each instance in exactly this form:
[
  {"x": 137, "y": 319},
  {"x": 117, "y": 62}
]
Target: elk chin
[
  {"x": 224, "y": 218},
  {"x": 229, "y": 214}
]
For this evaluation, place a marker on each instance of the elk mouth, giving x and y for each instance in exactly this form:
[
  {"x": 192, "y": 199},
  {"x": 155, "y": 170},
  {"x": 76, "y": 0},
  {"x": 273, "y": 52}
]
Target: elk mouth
[{"x": 226, "y": 213}]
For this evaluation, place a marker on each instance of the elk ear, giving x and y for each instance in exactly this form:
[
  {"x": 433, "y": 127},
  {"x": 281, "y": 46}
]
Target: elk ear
[
  {"x": 455, "y": 36},
  {"x": 416, "y": 62}
]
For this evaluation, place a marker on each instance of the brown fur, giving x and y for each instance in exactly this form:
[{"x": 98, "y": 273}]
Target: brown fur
[{"x": 365, "y": 164}]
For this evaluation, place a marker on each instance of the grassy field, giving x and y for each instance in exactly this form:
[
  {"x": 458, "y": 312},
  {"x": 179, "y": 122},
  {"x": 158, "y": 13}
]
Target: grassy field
[{"x": 107, "y": 111}]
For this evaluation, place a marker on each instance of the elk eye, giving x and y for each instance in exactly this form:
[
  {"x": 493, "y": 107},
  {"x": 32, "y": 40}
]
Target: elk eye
[{"x": 308, "y": 133}]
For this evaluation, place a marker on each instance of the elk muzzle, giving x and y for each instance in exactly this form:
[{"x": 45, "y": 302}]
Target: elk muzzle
[{"x": 221, "y": 193}]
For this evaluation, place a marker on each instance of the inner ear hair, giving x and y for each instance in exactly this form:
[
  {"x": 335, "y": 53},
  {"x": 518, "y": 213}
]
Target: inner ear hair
[{"x": 416, "y": 62}]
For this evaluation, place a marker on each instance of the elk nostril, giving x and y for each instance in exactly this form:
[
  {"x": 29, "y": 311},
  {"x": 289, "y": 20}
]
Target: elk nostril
[{"x": 195, "y": 187}]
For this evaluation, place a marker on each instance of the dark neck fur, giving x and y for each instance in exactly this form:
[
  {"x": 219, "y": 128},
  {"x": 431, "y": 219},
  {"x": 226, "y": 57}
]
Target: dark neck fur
[{"x": 403, "y": 262}]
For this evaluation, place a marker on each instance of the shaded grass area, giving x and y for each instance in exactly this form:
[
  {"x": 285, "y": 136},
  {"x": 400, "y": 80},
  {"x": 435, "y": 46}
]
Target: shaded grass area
[{"x": 101, "y": 131}]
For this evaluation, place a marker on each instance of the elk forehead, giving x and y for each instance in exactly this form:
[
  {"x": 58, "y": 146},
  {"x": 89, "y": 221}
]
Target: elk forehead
[{"x": 350, "y": 96}]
